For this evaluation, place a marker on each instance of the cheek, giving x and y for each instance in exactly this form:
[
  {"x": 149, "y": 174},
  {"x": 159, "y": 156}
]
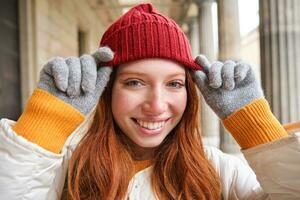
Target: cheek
[
  {"x": 120, "y": 103},
  {"x": 178, "y": 102},
  {"x": 123, "y": 102}
]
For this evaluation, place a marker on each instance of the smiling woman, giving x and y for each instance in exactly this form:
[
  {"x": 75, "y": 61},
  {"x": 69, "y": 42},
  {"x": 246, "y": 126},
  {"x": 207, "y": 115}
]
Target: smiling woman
[
  {"x": 144, "y": 141},
  {"x": 152, "y": 116}
]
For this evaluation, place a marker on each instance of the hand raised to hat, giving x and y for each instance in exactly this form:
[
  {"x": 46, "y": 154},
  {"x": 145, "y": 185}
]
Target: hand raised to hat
[
  {"x": 228, "y": 86},
  {"x": 76, "y": 80}
]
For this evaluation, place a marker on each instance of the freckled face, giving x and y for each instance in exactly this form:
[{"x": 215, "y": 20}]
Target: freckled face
[{"x": 148, "y": 99}]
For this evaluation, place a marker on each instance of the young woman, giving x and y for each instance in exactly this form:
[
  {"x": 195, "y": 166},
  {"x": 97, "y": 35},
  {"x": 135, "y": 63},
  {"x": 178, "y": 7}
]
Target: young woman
[{"x": 144, "y": 140}]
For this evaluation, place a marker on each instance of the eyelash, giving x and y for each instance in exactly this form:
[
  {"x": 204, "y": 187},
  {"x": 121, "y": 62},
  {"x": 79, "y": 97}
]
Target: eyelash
[
  {"x": 138, "y": 83},
  {"x": 178, "y": 84},
  {"x": 133, "y": 83}
]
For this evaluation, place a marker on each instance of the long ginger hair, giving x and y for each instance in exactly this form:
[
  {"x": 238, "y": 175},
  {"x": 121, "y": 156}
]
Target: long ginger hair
[{"x": 101, "y": 166}]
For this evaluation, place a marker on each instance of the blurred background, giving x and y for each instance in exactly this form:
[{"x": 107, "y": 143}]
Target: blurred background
[{"x": 264, "y": 33}]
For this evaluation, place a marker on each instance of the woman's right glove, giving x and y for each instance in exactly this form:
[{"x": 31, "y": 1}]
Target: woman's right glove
[
  {"x": 67, "y": 92},
  {"x": 77, "y": 81}
]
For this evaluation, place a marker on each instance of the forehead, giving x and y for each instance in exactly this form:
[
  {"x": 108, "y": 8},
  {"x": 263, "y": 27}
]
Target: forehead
[{"x": 157, "y": 66}]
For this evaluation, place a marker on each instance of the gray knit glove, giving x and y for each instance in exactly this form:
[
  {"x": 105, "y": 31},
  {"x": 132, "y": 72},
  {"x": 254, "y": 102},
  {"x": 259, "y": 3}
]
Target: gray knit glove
[
  {"x": 228, "y": 86},
  {"x": 77, "y": 81}
]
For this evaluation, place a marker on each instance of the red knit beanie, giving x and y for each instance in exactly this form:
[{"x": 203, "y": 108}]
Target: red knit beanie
[{"x": 144, "y": 33}]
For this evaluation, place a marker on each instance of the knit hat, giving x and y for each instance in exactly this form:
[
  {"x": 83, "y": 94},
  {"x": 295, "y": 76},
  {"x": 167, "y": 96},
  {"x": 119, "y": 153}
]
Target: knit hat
[{"x": 142, "y": 32}]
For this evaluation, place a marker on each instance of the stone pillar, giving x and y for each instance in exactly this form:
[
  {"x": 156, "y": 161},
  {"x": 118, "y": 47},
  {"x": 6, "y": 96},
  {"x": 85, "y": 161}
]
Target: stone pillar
[
  {"x": 193, "y": 34},
  {"x": 209, "y": 120},
  {"x": 229, "y": 48},
  {"x": 28, "y": 49},
  {"x": 280, "y": 57}
]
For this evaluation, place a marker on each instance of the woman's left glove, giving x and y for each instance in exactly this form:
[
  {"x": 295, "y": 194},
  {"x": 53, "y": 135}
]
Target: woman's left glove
[{"x": 228, "y": 86}]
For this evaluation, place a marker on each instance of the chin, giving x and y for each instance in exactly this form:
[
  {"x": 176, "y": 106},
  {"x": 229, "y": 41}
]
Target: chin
[{"x": 151, "y": 144}]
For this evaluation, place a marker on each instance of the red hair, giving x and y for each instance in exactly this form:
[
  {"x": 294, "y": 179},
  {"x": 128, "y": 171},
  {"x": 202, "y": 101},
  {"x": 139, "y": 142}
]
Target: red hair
[{"x": 101, "y": 166}]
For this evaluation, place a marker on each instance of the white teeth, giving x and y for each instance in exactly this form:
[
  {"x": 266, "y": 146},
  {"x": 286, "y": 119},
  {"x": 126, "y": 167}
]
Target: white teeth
[{"x": 151, "y": 125}]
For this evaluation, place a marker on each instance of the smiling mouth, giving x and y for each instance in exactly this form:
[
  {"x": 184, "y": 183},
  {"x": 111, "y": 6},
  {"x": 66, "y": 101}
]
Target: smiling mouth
[{"x": 150, "y": 125}]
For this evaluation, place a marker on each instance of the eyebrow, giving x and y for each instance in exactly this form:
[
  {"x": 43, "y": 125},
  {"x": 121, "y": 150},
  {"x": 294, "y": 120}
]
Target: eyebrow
[
  {"x": 132, "y": 73},
  {"x": 144, "y": 74}
]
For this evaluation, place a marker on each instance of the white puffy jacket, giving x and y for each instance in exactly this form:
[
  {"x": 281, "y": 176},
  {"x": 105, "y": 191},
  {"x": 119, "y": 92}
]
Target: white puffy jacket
[{"x": 27, "y": 171}]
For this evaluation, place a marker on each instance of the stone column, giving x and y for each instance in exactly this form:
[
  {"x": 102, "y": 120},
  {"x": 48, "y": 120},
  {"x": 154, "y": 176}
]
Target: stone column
[
  {"x": 28, "y": 49},
  {"x": 209, "y": 120},
  {"x": 229, "y": 48},
  {"x": 202, "y": 42},
  {"x": 193, "y": 34},
  {"x": 280, "y": 57}
]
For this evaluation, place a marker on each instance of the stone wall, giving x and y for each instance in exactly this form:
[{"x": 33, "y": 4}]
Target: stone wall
[
  {"x": 51, "y": 28},
  {"x": 58, "y": 25}
]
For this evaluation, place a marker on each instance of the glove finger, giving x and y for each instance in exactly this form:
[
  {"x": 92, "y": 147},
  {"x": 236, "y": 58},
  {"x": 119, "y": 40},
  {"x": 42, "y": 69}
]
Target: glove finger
[
  {"x": 214, "y": 75},
  {"x": 58, "y": 69},
  {"x": 88, "y": 73},
  {"x": 228, "y": 75},
  {"x": 203, "y": 61},
  {"x": 240, "y": 71},
  {"x": 103, "y": 54},
  {"x": 201, "y": 80},
  {"x": 103, "y": 75},
  {"x": 74, "y": 76},
  {"x": 250, "y": 77}
]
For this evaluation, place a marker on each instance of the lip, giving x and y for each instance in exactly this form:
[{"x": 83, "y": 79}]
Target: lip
[
  {"x": 147, "y": 132},
  {"x": 152, "y": 119}
]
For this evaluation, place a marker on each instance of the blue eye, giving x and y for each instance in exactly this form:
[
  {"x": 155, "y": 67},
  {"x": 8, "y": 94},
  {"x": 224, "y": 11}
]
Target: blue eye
[
  {"x": 133, "y": 83},
  {"x": 176, "y": 84}
]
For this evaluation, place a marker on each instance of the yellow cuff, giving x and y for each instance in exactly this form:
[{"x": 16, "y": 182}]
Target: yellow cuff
[
  {"x": 254, "y": 124},
  {"x": 48, "y": 121}
]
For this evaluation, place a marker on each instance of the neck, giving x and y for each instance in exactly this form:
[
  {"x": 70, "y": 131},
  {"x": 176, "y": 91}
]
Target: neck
[{"x": 139, "y": 153}]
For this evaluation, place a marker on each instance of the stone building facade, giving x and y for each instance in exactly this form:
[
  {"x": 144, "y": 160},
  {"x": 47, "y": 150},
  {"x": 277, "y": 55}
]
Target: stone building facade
[
  {"x": 33, "y": 31},
  {"x": 55, "y": 28}
]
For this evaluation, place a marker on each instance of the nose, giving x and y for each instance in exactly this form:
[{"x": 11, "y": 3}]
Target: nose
[{"x": 155, "y": 102}]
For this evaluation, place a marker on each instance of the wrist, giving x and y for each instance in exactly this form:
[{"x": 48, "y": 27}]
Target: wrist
[
  {"x": 254, "y": 124},
  {"x": 47, "y": 121}
]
